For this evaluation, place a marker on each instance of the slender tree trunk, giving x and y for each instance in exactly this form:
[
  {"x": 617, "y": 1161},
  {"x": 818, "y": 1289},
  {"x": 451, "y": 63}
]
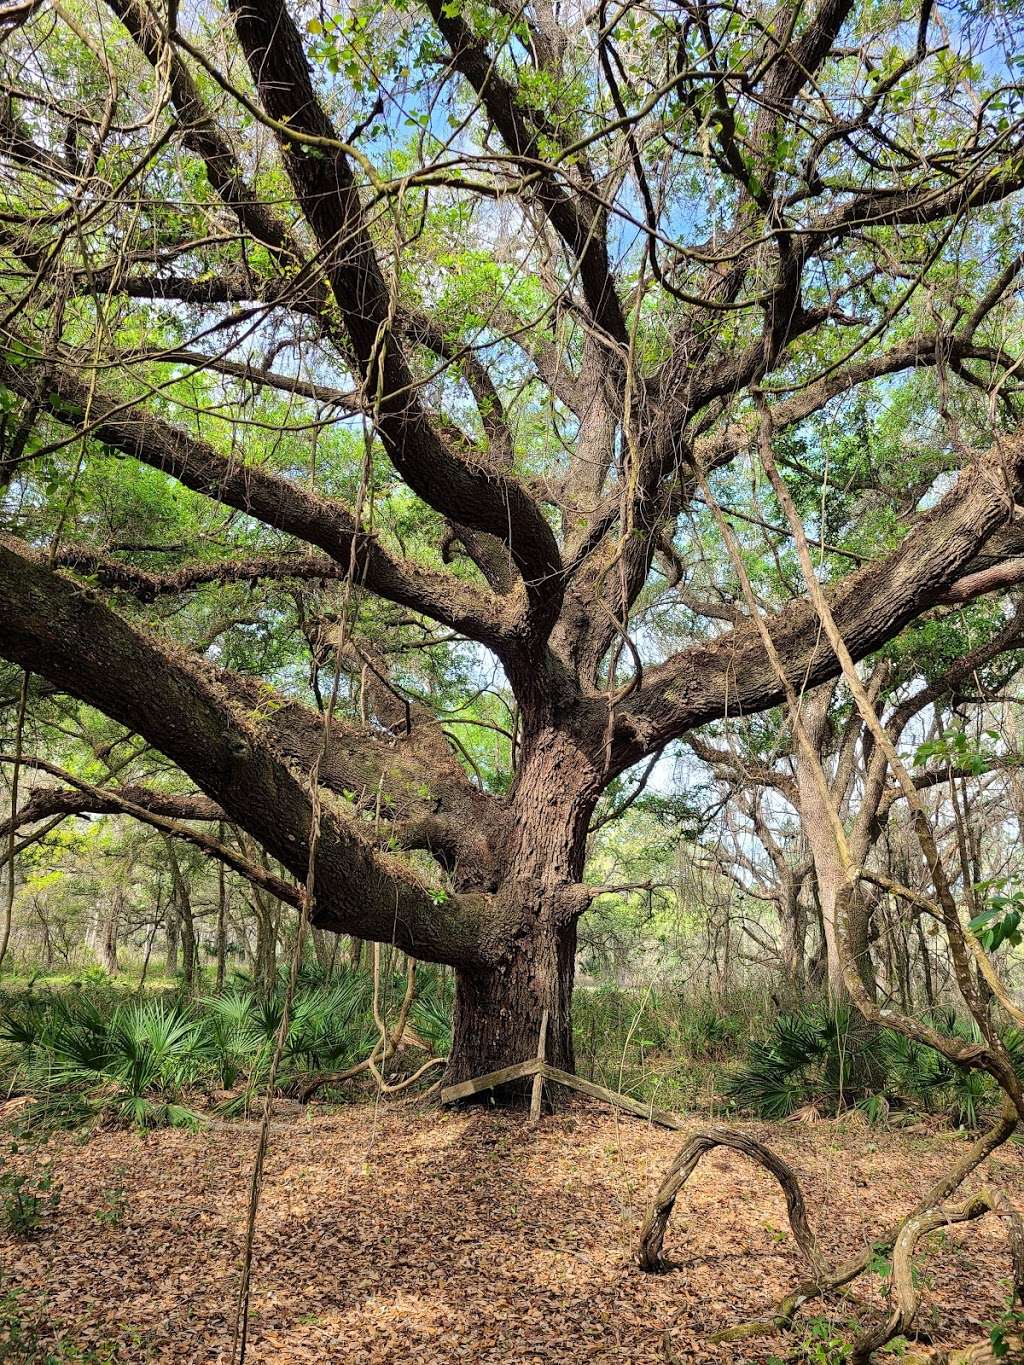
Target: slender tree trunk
[
  {"x": 793, "y": 919},
  {"x": 265, "y": 962},
  {"x": 47, "y": 945},
  {"x": 189, "y": 946},
  {"x": 926, "y": 964},
  {"x": 322, "y": 952},
  {"x": 149, "y": 949},
  {"x": 106, "y": 938},
  {"x": 184, "y": 907},
  {"x": 5, "y": 932},
  {"x": 816, "y": 825},
  {"x": 901, "y": 957},
  {"x": 173, "y": 937},
  {"x": 222, "y": 918}
]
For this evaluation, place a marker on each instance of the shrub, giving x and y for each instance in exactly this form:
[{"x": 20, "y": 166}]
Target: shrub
[
  {"x": 27, "y": 1199},
  {"x": 825, "y": 1055},
  {"x": 86, "y": 1057},
  {"x": 806, "y": 1059}
]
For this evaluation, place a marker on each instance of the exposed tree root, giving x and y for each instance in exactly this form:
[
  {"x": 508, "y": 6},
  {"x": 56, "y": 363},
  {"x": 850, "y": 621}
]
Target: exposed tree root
[
  {"x": 390, "y": 1041},
  {"x": 943, "y": 1189},
  {"x": 653, "y": 1231},
  {"x": 980, "y": 1353}
]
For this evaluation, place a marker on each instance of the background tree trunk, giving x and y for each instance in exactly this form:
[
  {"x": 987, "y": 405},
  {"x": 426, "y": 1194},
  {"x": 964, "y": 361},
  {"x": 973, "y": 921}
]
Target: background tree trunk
[
  {"x": 173, "y": 937},
  {"x": 186, "y": 923},
  {"x": 106, "y": 936},
  {"x": 322, "y": 952},
  {"x": 222, "y": 919},
  {"x": 793, "y": 926}
]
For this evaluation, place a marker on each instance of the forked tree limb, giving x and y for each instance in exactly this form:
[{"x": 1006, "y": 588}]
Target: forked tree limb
[
  {"x": 320, "y": 521},
  {"x": 906, "y": 1297},
  {"x": 65, "y": 633},
  {"x": 944, "y": 1188},
  {"x": 326, "y": 190}
]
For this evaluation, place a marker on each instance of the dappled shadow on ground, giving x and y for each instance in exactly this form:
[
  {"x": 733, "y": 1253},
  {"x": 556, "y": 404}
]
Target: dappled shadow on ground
[{"x": 435, "y": 1237}]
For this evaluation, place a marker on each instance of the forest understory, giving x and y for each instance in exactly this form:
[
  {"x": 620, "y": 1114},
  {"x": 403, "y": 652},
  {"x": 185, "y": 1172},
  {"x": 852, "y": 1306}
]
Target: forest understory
[{"x": 407, "y": 1234}]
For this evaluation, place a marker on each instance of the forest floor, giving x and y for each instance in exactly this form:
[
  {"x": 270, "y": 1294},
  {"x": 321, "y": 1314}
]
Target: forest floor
[{"x": 409, "y": 1235}]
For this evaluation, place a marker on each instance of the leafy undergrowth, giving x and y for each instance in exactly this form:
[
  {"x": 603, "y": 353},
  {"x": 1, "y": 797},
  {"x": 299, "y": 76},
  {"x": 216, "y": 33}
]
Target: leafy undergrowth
[
  {"x": 746, "y": 1055},
  {"x": 162, "y": 1060},
  {"x": 824, "y": 1056},
  {"x": 662, "y": 1045},
  {"x": 405, "y": 1234},
  {"x": 91, "y": 1054},
  {"x": 90, "y": 1051}
]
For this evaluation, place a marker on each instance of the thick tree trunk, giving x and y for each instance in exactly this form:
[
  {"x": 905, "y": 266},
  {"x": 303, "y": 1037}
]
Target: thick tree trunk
[
  {"x": 498, "y": 1012},
  {"x": 499, "y": 1008}
]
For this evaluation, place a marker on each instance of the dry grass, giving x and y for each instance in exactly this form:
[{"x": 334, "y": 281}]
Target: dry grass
[{"x": 435, "y": 1237}]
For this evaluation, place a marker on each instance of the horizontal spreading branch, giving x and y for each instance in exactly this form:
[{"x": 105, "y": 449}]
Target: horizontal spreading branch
[
  {"x": 46, "y": 802},
  {"x": 277, "y": 501},
  {"x": 107, "y": 801},
  {"x": 735, "y": 675},
  {"x": 147, "y": 585},
  {"x": 65, "y": 634}
]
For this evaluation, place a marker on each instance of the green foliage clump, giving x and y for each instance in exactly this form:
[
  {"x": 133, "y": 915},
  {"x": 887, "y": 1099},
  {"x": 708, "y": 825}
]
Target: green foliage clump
[
  {"x": 27, "y": 1199},
  {"x": 822, "y": 1343},
  {"x": 23, "y": 1337},
  {"x": 824, "y": 1055},
  {"x": 81, "y": 1060},
  {"x": 805, "y": 1059},
  {"x": 433, "y": 1009},
  {"x": 88, "y": 1057},
  {"x": 662, "y": 1046}
]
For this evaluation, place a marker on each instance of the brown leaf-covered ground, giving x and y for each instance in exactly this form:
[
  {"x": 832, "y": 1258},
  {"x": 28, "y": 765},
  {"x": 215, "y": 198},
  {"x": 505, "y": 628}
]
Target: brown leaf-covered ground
[{"x": 410, "y": 1235}]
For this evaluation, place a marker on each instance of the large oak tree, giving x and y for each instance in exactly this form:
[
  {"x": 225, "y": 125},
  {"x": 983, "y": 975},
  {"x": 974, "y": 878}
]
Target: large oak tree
[{"x": 454, "y": 318}]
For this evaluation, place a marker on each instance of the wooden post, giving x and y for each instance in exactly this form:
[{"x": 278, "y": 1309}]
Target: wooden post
[
  {"x": 537, "y": 1069},
  {"x": 464, "y": 1089},
  {"x": 537, "y": 1093},
  {"x": 598, "y": 1092}
]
